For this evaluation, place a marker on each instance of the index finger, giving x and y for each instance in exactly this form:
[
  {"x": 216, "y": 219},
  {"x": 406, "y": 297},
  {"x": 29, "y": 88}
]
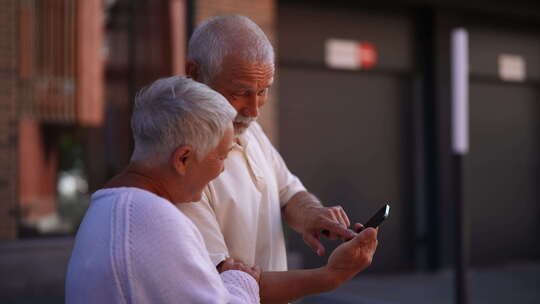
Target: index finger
[
  {"x": 344, "y": 217},
  {"x": 338, "y": 230}
]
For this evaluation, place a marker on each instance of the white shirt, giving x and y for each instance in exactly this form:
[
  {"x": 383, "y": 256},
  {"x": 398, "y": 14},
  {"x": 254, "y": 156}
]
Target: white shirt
[
  {"x": 240, "y": 211},
  {"x": 136, "y": 247}
]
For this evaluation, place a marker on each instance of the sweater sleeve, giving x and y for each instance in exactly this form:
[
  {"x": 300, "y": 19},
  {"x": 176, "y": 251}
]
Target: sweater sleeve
[
  {"x": 241, "y": 286},
  {"x": 167, "y": 262}
]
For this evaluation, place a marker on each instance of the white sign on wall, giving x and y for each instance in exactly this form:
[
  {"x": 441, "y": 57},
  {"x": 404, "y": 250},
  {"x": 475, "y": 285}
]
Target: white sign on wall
[
  {"x": 511, "y": 67},
  {"x": 349, "y": 54}
]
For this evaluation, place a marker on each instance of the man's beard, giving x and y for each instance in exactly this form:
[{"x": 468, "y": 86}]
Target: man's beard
[{"x": 241, "y": 123}]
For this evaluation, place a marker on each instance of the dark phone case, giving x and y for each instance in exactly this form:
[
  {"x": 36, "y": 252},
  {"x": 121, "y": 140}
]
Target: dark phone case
[{"x": 378, "y": 217}]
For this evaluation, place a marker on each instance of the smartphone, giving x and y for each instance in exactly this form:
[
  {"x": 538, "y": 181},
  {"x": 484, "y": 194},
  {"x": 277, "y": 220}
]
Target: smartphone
[
  {"x": 378, "y": 217},
  {"x": 374, "y": 221}
]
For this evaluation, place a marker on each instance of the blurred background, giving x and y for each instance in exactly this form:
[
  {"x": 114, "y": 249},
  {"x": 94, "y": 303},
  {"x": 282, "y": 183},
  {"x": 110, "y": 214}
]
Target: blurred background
[{"x": 361, "y": 111}]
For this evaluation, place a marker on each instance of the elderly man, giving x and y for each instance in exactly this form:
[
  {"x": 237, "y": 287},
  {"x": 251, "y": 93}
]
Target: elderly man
[
  {"x": 240, "y": 212},
  {"x": 134, "y": 245}
]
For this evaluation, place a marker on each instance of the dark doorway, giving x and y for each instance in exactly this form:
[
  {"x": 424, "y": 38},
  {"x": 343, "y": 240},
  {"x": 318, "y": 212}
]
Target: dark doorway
[
  {"x": 502, "y": 170},
  {"x": 347, "y": 133}
]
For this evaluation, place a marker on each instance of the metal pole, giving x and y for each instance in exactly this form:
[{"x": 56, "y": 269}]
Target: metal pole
[
  {"x": 460, "y": 144},
  {"x": 461, "y": 232}
]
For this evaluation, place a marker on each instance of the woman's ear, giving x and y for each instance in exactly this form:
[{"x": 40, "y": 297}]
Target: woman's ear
[
  {"x": 192, "y": 70},
  {"x": 180, "y": 158}
]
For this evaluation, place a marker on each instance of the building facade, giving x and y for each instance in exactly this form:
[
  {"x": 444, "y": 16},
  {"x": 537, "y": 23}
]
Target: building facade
[{"x": 361, "y": 111}]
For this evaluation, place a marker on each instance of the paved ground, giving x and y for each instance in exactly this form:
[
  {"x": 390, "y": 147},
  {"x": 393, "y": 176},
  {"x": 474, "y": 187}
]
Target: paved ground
[
  {"x": 33, "y": 272},
  {"x": 510, "y": 284},
  {"x": 513, "y": 284}
]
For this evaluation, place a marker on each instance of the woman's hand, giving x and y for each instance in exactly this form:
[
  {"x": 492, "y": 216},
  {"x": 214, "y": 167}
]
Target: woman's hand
[
  {"x": 353, "y": 256},
  {"x": 230, "y": 264}
]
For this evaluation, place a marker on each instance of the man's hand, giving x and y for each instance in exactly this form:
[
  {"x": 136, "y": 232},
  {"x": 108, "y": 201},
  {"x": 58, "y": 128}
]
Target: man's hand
[
  {"x": 306, "y": 215},
  {"x": 329, "y": 221},
  {"x": 230, "y": 264},
  {"x": 353, "y": 256}
]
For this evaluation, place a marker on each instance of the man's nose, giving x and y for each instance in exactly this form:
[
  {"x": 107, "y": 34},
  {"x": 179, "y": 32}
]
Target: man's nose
[{"x": 251, "y": 108}]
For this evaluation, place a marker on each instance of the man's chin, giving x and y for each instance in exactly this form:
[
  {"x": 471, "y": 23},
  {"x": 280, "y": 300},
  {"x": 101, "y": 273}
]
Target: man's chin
[{"x": 240, "y": 128}]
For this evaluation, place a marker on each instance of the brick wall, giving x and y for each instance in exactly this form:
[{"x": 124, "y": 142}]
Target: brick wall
[
  {"x": 262, "y": 12},
  {"x": 8, "y": 122}
]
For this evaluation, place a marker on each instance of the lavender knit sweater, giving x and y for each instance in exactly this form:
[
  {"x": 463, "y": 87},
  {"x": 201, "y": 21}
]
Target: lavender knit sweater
[{"x": 136, "y": 247}]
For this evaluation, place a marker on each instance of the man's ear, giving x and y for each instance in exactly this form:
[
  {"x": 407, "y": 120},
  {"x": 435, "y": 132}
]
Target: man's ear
[
  {"x": 192, "y": 70},
  {"x": 180, "y": 158}
]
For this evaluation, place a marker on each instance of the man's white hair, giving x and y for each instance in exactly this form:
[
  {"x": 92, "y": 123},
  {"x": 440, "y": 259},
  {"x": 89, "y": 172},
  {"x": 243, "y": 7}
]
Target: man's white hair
[
  {"x": 226, "y": 35},
  {"x": 178, "y": 111}
]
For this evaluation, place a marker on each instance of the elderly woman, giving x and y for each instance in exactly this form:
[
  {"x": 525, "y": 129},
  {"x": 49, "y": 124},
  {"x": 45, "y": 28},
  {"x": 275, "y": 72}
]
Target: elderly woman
[{"x": 134, "y": 245}]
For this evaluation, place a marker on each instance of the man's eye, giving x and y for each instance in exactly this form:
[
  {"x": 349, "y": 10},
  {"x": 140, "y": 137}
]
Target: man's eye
[
  {"x": 262, "y": 92},
  {"x": 241, "y": 93}
]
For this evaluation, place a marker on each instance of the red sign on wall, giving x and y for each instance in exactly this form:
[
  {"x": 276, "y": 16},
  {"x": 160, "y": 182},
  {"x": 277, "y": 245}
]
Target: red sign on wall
[{"x": 367, "y": 56}]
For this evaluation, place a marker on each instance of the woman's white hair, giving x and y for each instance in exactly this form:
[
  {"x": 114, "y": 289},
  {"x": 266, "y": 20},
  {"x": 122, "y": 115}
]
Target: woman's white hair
[
  {"x": 178, "y": 111},
  {"x": 226, "y": 35}
]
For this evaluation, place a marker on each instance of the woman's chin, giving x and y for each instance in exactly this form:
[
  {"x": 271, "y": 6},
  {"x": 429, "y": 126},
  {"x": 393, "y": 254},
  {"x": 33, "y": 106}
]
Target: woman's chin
[{"x": 197, "y": 197}]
